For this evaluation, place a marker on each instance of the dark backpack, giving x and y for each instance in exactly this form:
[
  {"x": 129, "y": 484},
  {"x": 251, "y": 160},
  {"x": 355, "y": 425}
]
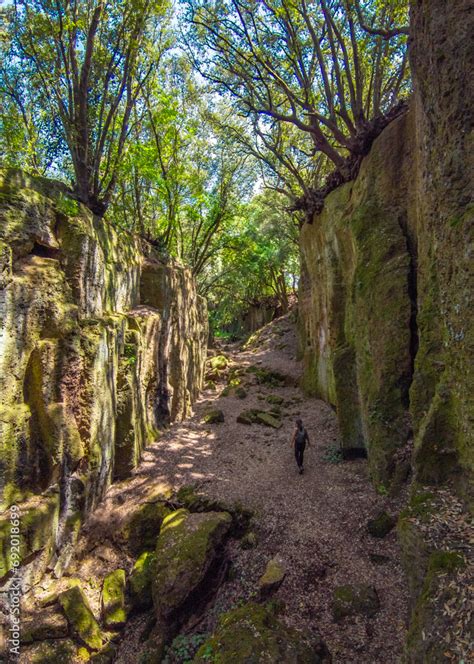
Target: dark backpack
[{"x": 300, "y": 439}]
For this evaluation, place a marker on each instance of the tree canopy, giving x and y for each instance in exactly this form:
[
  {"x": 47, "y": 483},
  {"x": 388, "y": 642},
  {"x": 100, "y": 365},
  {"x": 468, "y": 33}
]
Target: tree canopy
[{"x": 210, "y": 127}]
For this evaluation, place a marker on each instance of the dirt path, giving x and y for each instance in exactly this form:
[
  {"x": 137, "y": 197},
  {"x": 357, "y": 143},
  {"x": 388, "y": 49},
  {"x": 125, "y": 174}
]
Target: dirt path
[{"x": 316, "y": 521}]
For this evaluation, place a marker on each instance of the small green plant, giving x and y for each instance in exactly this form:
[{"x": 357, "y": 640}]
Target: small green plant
[
  {"x": 129, "y": 352},
  {"x": 67, "y": 205},
  {"x": 381, "y": 489},
  {"x": 207, "y": 652},
  {"x": 183, "y": 648},
  {"x": 332, "y": 454}
]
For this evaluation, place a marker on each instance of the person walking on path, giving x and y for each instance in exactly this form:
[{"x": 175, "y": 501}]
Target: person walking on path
[{"x": 299, "y": 440}]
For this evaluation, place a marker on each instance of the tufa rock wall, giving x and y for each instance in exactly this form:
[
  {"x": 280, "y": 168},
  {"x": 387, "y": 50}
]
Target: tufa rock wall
[
  {"x": 442, "y": 394},
  {"x": 101, "y": 344},
  {"x": 386, "y": 296},
  {"x": 355, "y": 301}
]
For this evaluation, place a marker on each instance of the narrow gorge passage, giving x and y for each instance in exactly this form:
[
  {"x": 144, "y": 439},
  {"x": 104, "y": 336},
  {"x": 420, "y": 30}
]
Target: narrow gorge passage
[{"x": 317, "y": 522}]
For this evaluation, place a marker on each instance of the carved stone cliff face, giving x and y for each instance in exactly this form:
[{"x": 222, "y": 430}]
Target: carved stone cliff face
[
  {"x": 355, "y": 301},
  {"x": 101, "y": 343},
  {"x": 442, "y": 61},
  {"x": 386, "y": 298}
]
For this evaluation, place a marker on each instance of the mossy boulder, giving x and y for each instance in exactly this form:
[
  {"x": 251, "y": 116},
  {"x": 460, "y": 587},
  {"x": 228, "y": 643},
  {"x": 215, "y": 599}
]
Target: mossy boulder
[
  {"x": 140, "y": 580},
  {"x": 144, "y": 526},
  {"x": 275, "y": 399},
  {"x": 188, "y": 546},
  {"x": 381, "y": 525},
  {"x": 215, "y": 416},
  {"x": 247, "y": 417},
  {"x": 189, "y": 498},
  {"x": 355, "y": 599},
  {"x": 255, "y": 416},
  {"x": 252, "y": 634},
  {"x": 272, "y": 578},
  {"x": 269, "y": 420},
  {"x": 267, "y": 377},
  {"x": 113, "y": 599},
  {"x": 80, "y": 617},
  {"x": 219, "y": 362}
]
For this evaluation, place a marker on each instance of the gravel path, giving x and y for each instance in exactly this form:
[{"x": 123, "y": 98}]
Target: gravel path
[{"x": 316, "y": 522}]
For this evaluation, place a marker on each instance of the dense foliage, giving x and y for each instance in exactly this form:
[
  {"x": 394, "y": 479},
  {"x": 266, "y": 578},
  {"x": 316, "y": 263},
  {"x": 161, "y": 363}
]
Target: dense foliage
[{"x": 201, "y": 124}]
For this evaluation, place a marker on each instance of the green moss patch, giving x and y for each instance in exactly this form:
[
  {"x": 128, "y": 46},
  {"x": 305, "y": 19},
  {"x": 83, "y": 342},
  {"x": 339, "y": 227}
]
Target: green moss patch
[
  {"x": 80, "y": 617},
  {"x": 252, "y": 633},
  {"x": 215, "y": 416},
  {"x": 269, "y": 420},
  {"x": 140, "y": 580},
  {"x": 113, "y": 599},
  {"x": 218, "y": 362}
]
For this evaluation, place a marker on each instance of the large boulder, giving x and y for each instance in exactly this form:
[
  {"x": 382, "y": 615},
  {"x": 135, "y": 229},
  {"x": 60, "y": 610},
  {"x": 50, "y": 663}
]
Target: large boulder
[
  {"x": 252, "y": 634},
  {"x": 187, "y": 548}
]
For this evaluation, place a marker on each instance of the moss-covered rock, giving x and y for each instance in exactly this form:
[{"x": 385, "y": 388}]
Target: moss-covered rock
[
  {"x": 275, "y": 399},
  {"x": 269, "y": 420},
  {"x": 113, "y": 599},
  {"x": 381, "y": 525},
  {"x": 355, "y": 599},
  {"x": 272, "y": 578},
  {"x": 37, "y": 523},
  {"x": 255, "y": 416},
  {"x": 140, "y": 580},
  {"x": 252, "y": 634},
  {"x": 188, "y": 497},
  {"x": 186, "y": 549},
  {"x": 219, "y": 362},
  {"x": 247, "y": 417},
  {"x": 80, "y": 617},
  {"x": 215, "y": 416},
  {"x": 240, "y": 392}
]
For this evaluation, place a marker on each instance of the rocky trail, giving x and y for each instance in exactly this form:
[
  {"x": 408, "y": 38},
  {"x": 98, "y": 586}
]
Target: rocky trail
[{"x": 315, "y": 523}]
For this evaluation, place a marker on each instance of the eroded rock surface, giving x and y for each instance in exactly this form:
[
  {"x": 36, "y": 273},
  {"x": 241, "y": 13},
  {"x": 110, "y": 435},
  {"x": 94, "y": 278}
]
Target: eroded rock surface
[{"x": 101, "y": 343}]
